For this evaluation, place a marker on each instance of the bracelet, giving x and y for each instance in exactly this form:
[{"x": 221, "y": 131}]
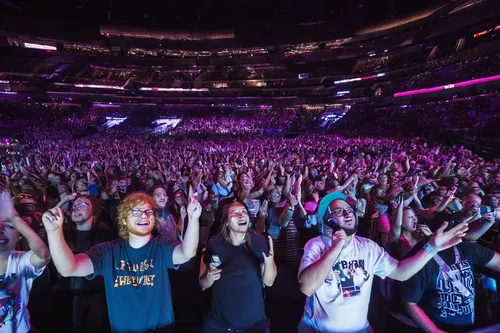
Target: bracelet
[{"x": 429, "y": 248}]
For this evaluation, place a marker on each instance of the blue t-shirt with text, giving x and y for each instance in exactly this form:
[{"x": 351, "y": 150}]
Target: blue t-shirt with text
[{"x": 137, "y": 283}]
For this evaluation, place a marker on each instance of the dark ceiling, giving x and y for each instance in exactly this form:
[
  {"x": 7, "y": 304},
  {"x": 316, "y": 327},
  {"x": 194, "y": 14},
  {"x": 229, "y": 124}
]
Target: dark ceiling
[{"x": 212, "y": 14}]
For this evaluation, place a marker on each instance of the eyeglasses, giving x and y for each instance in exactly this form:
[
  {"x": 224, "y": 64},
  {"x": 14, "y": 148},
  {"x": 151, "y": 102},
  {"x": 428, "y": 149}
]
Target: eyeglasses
[
  {"x": 341, "y": 212},
  {"x": 80, "y": 205},
  {"x": 25, "y": 196},
  {"x": 138, "y": 212}
]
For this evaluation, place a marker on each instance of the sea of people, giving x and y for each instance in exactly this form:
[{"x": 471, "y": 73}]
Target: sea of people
[
  {"x": 120, "y": 205},
  {"x": 472, "y": 114}
]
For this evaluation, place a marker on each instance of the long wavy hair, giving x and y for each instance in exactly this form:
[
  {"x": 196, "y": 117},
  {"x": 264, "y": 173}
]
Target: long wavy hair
[
  {"x": 225, "y": 232},
  {"x": 126, "y": 206}
]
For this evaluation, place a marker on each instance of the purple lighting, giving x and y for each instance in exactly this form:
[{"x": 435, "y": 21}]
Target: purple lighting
[{"x": 448, "y": 86}]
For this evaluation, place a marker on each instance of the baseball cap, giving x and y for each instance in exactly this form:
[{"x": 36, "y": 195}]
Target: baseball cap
[{"x": 325, "y": 202}]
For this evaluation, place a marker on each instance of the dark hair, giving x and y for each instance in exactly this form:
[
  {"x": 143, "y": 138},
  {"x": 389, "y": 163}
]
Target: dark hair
[
  {"x": 225, "y": 236},
  {"x": 94, "y": 205}
]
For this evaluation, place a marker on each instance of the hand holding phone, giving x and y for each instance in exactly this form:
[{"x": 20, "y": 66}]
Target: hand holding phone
[
  {"x": 334, "y": 224},
  {"x": 216, "y": 261}
]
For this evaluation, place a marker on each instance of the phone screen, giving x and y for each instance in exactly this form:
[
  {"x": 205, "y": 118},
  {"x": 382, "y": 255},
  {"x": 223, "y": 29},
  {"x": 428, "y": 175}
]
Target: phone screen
[{"x": 216, "y": 260}]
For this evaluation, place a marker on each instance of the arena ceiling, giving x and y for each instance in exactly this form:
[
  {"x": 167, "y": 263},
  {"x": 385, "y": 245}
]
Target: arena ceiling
[{"x": 214, "y": 14}]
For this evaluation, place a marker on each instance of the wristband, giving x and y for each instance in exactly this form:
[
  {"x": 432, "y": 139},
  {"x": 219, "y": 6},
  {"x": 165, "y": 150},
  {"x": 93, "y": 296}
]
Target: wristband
[{"x": 429, "y": 248}]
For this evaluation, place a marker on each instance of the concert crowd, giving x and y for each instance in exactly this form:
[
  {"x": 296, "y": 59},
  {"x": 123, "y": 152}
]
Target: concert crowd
[{"x": 319, "y": 233}]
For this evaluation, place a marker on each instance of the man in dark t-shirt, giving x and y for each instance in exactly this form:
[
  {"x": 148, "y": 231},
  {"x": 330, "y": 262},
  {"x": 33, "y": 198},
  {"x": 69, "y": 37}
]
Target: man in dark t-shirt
[
  {"x": 134, "y": 268},
  {"x": 441, "y": 295},
  {"x": 84, "y": 232}
]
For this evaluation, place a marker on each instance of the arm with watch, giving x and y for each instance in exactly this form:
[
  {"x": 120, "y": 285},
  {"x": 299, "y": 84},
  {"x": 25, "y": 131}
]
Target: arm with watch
[
  {"x": 439, "y": 241},
  {"x": 287, "y": 213}
]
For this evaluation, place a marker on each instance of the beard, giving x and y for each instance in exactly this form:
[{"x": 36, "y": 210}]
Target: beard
[
  {"x": 327, "y": 230},
  {"x": 351, "y": 231},
  {"x": 134, "y": 231}
]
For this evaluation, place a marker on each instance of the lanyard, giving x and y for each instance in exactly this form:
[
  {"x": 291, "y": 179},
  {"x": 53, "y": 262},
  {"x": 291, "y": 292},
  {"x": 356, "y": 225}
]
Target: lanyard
[{"x": 446, "y": 272}]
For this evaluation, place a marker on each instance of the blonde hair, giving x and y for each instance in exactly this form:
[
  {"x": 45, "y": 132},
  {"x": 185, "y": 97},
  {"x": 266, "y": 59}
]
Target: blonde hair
[{"x": 127, "y": 205}]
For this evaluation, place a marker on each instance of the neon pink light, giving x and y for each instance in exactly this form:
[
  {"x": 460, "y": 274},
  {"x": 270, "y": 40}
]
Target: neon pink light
[
  {"x": 448, "y": 86},
  {"x": 172, "y": 89},
  {"x": 97, "y": 86},
  {"x": 40, "y": 46}
]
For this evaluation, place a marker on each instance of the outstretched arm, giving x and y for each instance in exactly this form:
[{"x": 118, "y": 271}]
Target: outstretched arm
[
  {"x": 66, "y": 262},
  {"x": 187, "y": 249},
  {"x": 439, "y": 241}
]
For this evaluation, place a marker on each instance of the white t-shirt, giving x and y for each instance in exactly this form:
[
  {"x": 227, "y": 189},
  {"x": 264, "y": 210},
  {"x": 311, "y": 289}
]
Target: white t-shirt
[
  {"x": 15, "y": 291},
  {"x": 341, "y": 303}
]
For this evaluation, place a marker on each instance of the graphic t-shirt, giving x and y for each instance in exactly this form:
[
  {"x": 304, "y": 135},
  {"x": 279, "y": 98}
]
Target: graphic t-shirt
[
  {"x": 237, "y": 300},
  {"x": 341, "y": 303},
  {"x": 434, "y": 291},
  {"x": 15, "y": 290},
  {"x": 136, "y": 282}
]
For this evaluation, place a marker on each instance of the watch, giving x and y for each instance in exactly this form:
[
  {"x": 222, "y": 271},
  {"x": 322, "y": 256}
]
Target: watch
[{"x": 429, "y": 248}]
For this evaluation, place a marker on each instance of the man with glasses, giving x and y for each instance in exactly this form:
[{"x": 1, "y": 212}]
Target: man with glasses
[
  {"x": 336, "y": 271},
  {"x": 89, "y": 301},
  {"x": 479, "y": 223},
  {"x": 134, "y": 268}
]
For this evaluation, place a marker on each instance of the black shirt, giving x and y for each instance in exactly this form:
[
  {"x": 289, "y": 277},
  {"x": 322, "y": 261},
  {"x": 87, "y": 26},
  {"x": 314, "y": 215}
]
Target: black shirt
[
  {"x": 445, "y": 305},
  {"x": 237, "y": 300},
  {"x": 85, "y": 240}
]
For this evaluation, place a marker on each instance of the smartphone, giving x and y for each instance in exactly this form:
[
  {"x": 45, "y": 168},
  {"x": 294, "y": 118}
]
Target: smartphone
[
  {"x": 484, "y": 210},
  {"x": 334, "y": 224},
  {"x": 216, "y": 260}
]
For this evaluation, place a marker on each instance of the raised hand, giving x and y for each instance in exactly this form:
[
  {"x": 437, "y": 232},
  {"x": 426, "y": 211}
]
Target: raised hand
[
  {"x": 73, "y": 196},
  {"x": 316, "y": 196},
  {"x": 7, "y": 209},
  {"x": 4, "y": 183},
  {"x": 263, "y": 207},
  {"x": 424, "y": 229},
  {"x": 442, "y": 240},
  {"x": 194, "y": 209},
  {"x": 268, "y": 259},
  {"x": 401, "y": 199},
  {"x": 293, "y": 200},
  {"x": 53, "y": 219}
]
